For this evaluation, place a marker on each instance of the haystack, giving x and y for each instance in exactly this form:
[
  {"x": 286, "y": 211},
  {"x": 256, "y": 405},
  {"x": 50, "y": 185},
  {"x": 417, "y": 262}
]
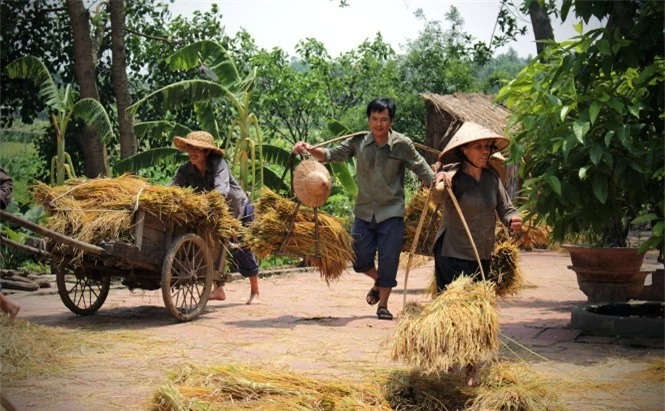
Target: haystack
[
  {"x": 459, "y": 327},
  {"x": 274, "y": 214},
  {"x": 102, "y": 209},
  {"x": 412, "y": 212}
]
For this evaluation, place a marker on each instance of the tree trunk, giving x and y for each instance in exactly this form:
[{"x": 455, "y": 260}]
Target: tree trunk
[
  {"x": 120, "y": 85},
  {"x": 542, "y": 26},
  {"x": 94, "y": 151}
]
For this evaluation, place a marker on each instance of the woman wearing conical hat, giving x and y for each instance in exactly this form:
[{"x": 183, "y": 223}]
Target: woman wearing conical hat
[
  {"x": 207, "y": 170},
  {"x": 481, "y": 197}
]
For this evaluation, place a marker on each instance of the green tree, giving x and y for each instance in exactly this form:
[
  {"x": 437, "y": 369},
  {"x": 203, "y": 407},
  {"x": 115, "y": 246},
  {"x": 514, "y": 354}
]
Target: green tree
[
  {"x": 63, "y": 107},
  {"x": 589, "y": 117},
  {"x": 440, "y": 61},
  {"x": 223, "y": 84}
]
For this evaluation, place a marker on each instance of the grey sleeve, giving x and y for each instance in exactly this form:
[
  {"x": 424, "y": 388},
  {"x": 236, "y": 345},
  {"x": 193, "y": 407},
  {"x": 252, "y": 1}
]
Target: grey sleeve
[
  {"x": 339, "y": 153},
  {"x": 504, "y": 206},
  {"x": 418, "y": 165},
  {"x": 222, "y": 182}
]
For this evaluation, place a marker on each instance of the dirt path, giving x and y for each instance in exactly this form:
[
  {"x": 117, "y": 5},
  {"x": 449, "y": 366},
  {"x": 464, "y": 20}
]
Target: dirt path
[{"x": 324, "y": 331}]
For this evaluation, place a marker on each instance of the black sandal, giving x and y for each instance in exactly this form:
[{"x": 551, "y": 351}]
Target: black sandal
[
  {"x": 383, "y": 314},
  {"x": 372, "y": 296}
]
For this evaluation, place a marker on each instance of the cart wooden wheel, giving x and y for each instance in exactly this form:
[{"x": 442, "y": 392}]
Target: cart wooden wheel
[
  {"x": 80, "y": 293},
  {"x": 187, "y": 277}
]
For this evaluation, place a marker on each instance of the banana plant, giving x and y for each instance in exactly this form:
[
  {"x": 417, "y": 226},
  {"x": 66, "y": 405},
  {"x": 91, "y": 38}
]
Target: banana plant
[
  {"x": 223, "y": 84},
  {"x": 63, "y": 108}
]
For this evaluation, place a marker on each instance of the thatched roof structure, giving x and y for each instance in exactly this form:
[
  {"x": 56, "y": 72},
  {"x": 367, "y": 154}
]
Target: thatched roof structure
[{"x": 445, "y": 114}]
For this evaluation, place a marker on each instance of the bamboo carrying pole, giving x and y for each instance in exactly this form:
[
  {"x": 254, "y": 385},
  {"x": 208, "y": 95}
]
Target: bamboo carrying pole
[
  {"x": 325, "y": 143},
  {"x": 419, "y": 228},
  {"x": 414, "y": 243}
]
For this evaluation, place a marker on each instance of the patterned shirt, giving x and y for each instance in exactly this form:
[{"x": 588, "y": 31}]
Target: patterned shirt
[
  {"x": 380, "y": 173},
  {"x": 217, "y": 177}
]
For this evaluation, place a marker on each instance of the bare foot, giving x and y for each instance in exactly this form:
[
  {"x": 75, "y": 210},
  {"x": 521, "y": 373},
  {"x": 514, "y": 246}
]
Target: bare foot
[
  {"x": 472, "y": 375},
  {"x": 253, "y": 299},
  {"x": 218, "y": 294},
  {"x": 13, "y": 311}
]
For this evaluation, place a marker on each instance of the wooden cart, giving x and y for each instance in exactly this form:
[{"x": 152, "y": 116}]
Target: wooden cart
[{"x": 181, "y": 263}]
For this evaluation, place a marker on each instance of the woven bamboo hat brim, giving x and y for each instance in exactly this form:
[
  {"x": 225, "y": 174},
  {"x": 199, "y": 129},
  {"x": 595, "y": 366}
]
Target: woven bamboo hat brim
[
  {"x": 312, "y": 183},
  {"x": 467, "y": 133},
  {"x": 198, "y": 139}
]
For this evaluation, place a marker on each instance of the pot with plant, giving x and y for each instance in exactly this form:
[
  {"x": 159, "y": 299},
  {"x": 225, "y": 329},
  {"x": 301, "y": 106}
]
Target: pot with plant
[{"x": 587, "y": 130}]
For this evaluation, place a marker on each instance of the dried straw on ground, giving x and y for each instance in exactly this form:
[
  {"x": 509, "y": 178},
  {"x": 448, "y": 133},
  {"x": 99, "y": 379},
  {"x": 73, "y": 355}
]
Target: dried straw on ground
[
  {"x": 412, "y": 390},
  {"x": 459, "y": 327},
  {"x": 513, "y": 386},
  {"x": 505, "y": 271},
  {"x": 268, "y": 231},
  {"x": 102, "y": 209},
  {"x": 412, "y": 213},
  {"x": 28, "y": 349},
  {"x": 250, "y": 388}
]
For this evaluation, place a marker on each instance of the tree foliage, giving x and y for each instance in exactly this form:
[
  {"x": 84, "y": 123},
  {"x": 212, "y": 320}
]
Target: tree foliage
[{"x": 590, "y": 125}]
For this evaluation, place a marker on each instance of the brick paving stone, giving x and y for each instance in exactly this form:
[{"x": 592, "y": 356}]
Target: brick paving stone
[
  {"x": 329, "y": 330},
  {"x": 596, "y": 339},
  {"x": 521, "y": 332},
  {"x": 558, "y": 334}
]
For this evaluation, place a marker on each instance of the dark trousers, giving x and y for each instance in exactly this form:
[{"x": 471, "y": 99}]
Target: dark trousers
[
  {"x": 243, "y": 257},
  {"x": 447, "y": 269},
  {"x": 385, "y": 237}
]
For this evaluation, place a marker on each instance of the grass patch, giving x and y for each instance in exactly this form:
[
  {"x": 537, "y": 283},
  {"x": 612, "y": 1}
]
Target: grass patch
[{"x": 12, "y": 148}]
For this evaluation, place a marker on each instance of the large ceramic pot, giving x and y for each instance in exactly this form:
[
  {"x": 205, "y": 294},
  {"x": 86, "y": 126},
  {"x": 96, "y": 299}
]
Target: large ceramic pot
[{"x": 608, "y": 274}]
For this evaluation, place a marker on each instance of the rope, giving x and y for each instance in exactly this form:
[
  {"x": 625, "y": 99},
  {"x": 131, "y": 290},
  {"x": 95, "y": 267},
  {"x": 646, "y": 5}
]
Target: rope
[
  {"x": 69, "y": 191},
  {"x": 134, "y": 209},
  {"x": 136, "y": 203}
]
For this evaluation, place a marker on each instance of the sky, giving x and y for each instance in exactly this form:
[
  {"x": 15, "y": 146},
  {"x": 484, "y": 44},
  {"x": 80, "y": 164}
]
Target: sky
[{"x": 282, "y": 23}]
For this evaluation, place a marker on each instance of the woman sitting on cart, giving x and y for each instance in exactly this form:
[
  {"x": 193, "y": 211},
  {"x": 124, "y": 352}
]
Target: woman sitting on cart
[{"x": 207, "y": 170}]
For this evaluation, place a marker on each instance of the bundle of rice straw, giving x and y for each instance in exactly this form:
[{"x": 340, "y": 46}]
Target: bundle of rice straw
[
  {"x": 102, "y": 209},
  {"x": 513, "y": 386},
  {"x": 531, "y": 235},
  {"x": 266, "y": 234},
  {"x": 459, "y": 327},
  {"x": 504, "y": 269},
  {"x": 412, "y": 212}
]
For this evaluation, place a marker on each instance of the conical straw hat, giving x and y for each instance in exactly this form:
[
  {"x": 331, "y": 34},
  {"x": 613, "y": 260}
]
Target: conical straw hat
[
  {"x": 467, "y": 133},
  {"x": 312, "y": 183}
]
